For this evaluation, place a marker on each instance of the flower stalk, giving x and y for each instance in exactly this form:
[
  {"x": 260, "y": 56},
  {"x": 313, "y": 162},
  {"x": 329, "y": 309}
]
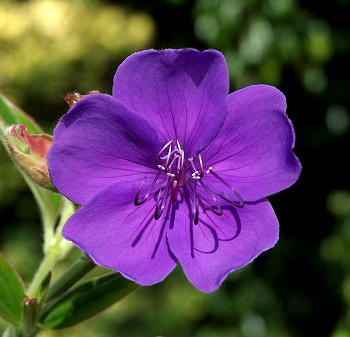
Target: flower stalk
[
  {"x": 30, "y": 316},
  {"x": 56, "y": 250}
]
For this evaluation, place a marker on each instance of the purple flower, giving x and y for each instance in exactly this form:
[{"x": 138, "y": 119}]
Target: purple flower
[{"x": 171, "y": 169}]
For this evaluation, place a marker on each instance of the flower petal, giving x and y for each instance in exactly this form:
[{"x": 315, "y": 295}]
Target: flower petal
[
  {"x": 182, "y": 93},
  {"x": 253, "y": 151},
  {"x": 97, "y": 143},
  {"x": 218, "y": 245},
  {"x": 120, "y": 236}
]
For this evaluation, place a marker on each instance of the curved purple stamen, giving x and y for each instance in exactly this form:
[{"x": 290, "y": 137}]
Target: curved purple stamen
[
  {"x": 240, "y": 202},
  {"x": 161, "y": 200},
  {"x": 138, "y": 202},
  {"x": 195, "y": 209},
  {"x": 218, "y": 210}
]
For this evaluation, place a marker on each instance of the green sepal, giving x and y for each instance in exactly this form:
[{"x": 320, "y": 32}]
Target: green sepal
[
  {"x": 86, "y": 300},
  {"x": 11, "y": 293}
]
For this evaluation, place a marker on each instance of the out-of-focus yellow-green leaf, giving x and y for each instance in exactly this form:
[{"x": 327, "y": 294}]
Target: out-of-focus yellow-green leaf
[{"x": 11, "y": 114}]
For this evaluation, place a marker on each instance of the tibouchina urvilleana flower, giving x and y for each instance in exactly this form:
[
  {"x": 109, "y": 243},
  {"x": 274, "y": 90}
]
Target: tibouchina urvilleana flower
[{"x": 171, "y": 169}]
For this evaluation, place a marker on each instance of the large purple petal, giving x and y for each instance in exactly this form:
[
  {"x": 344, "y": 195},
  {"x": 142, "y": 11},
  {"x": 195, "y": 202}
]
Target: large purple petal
[
  {"x": 182, "y": 93},
  {"x": 118, "y": 235},
  {"x": 218, "y": 245},
  {"x": 253, "y": 151},
  {"x": 97, "y": 143}
]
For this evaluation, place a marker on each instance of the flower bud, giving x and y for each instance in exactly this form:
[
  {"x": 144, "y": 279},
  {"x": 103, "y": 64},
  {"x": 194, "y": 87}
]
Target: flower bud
[
  {"x": 75, "y": 97},
  {"x": 29, "y": 151}
]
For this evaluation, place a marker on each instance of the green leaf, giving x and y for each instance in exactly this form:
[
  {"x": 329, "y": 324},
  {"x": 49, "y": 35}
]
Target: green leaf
[
  {"x": 86, "y": 300},
  {"x": 11, "y": 114},
  {"x": 11, "y": 293}
]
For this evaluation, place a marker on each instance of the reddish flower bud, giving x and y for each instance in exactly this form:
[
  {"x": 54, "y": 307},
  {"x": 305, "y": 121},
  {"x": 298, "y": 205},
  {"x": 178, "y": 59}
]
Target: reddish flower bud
[
  {"x": 75, "y": 97},
  {"x": 29, "y": 151}
]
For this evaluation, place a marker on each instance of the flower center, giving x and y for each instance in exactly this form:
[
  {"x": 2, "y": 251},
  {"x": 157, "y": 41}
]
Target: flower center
[
  {"x": 179, "y": 171},
  {"x": 176, "y": 166}
]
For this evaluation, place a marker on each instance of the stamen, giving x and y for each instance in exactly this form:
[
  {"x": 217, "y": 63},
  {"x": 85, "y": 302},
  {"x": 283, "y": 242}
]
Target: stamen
[
  {"x": 163, "y": 148},
  {"x": 192, "y": 164},
  {"x": 196, "y": 175},
  {"x": 168, "y": 157},
  {"x": 172, "y": 162},
  {"x": 201, "y": 165},
  {"x": 240, "y": 202},
  {"x": 138, "y": 202},
  {"x": 162, "y": 197},
  {"x": 182, "y": 159},
  {"x": 218, "y": 210},
  {"x": 195, "y": 205},
  {"x": 178, "y": 145},
  {"x": 179, "y": 160}
]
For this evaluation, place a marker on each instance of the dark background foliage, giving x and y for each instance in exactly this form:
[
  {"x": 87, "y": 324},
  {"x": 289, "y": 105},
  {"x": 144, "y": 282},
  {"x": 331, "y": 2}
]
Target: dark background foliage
[{"x": 301, "y": 287}]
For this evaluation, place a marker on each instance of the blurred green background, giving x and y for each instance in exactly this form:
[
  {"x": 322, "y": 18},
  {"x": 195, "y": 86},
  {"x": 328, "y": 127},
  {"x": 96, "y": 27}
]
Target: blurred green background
[{"x": 49, "y": 48}]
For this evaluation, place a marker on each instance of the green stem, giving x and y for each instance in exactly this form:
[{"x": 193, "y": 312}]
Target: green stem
[
  {"x": 68, "y": 208},
  {"x": 45, "y": 267},
  {"x": 30, "y": 316},
  {"x": 56, "y": 250},
  {"x": 79, "y": 269},
  {"x": 47, "y": 210}
]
